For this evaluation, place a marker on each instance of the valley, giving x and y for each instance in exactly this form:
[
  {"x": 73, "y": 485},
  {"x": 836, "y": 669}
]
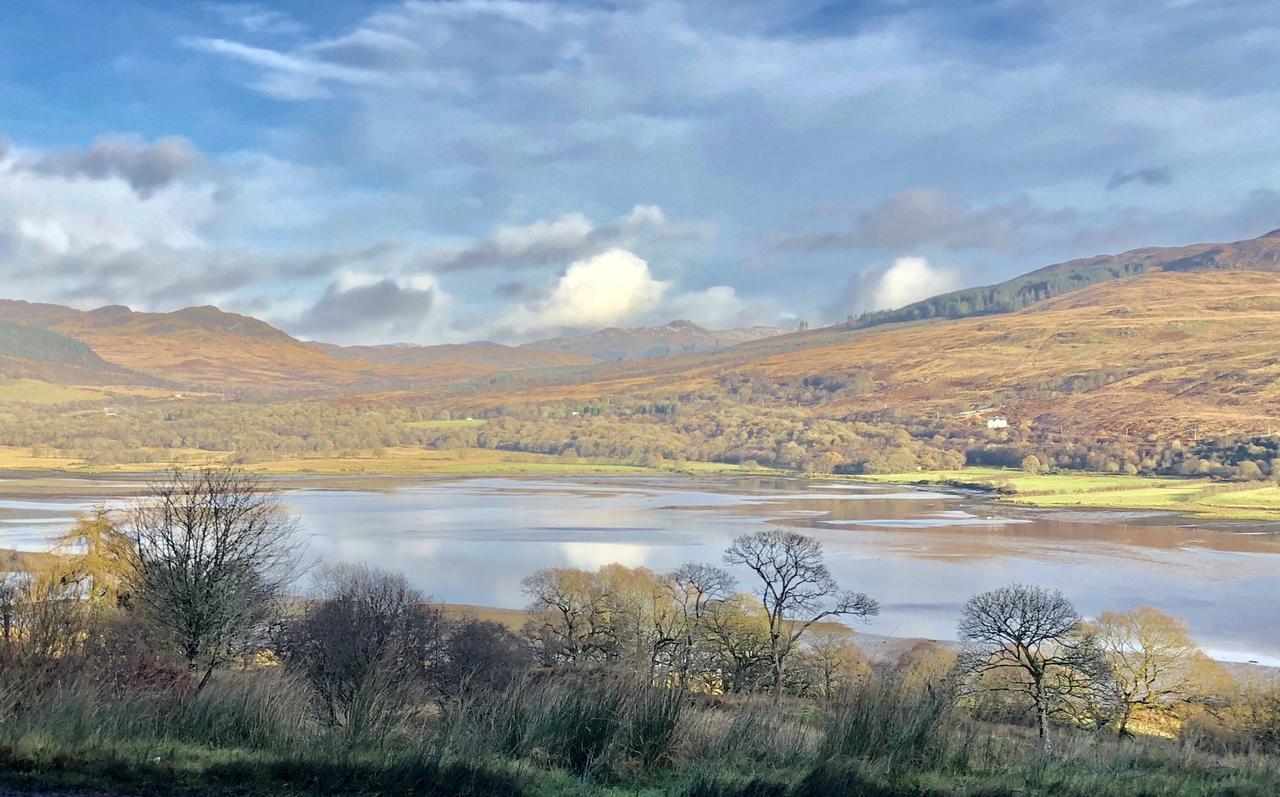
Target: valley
[{"x": 1163, "y": 371}]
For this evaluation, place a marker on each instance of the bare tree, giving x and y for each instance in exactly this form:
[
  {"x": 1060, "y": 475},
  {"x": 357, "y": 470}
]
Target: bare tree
[
  {"x": 1036, "y": 638},
  {"x": 1154, "y": 662},
  {"x": 695, "y": 587},
  {"x": 735, "y": 644},
  {"x": 829, "y": 661},
  {"x": 11, "y": 588},
  {"x": 368, "y": 643},
  {"x": 568, "y": 620},
  {"x": 211, "y": 551},
  {"x": 480, "y": 655},
  {"x": 796, "y": 589}
]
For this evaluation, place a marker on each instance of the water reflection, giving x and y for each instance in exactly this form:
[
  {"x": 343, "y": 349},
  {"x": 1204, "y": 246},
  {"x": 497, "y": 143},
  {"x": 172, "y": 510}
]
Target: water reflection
[{"x": 921, "y": 553}]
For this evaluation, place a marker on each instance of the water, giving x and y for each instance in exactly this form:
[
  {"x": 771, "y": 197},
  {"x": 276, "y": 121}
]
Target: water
[{"x": 920, "y": 553}]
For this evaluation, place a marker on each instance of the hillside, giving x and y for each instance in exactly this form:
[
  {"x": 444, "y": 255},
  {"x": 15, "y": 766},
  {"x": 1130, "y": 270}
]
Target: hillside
[
  {"x": 486, "y": 355},
  {"x": 195, "y": 348},
  {"x": 1257, "y": 254},
  {"x": 204, "y": 348},
  {"x": 1169, "y": 350},
  {"x": 677, "y": 337},
  {"x": 35, "y": 353}
]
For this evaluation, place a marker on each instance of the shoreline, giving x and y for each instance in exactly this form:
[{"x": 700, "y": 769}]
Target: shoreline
[
  {"x": 1245, "y": 507},
  {"x": 1086, "y": 497},
  {"x": 49, "y": 486}
]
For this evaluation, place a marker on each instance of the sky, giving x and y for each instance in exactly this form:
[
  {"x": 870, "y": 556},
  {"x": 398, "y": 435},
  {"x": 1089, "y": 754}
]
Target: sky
[{"x": 452, "y": 170}]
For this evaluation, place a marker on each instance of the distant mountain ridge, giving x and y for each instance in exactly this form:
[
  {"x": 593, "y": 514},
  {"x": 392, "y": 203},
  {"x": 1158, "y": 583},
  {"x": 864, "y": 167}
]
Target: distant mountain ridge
[
  {"x": 494, "y": 355},
  {"x": 604, "y": 345},
  {"x": 208, "y": 349},
  {"x": 677, "y": 337},
  {"x": 1256, "y": 254}
]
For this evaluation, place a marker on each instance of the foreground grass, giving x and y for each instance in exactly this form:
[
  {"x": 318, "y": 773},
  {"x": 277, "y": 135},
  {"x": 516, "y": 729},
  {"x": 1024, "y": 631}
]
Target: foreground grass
[
  {"x": 252, "y": 733},
  {"x": 1105, "y": 491}
]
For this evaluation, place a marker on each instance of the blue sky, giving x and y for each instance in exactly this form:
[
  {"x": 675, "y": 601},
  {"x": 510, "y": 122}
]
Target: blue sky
[{"x": 470, "y": 169}]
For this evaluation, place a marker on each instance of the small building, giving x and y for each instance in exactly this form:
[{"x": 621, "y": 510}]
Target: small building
[{"x": 998, "y": 422}]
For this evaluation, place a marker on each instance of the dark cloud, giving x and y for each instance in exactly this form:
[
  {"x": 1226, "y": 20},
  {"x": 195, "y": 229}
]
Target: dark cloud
[
  {"x": 513, "y": 290},
  {"x": 145, "y": 167},
  {"x": 931, "y": 217},
  {"x": 385, "y": 305},
  {"x": 1153, "y": 175}
]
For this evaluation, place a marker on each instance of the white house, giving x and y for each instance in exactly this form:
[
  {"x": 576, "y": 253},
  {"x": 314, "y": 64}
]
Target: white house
[{"x": 998, "y": 422}]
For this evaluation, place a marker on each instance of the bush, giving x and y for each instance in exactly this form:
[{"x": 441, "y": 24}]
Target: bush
[
  {"x": 592, "y": 723},
  {"x": 888, "y": 720}
]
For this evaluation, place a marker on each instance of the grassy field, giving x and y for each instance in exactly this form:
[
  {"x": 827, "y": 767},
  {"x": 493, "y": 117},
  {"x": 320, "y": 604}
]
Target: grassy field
[
  {"x": 33, "y": 391},
  {"x": 456, "y": 423},
  {"x": 254, "y": 733},
  {"x": 1106, "y": 491},
  {"x": 388, "y": 462}
]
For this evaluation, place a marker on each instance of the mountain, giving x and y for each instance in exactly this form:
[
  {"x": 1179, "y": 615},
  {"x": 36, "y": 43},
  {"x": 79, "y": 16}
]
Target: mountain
[
  {"x": 1160, "y": 352},
  {"x": 204, "y": 348},
  {"x": 678, "y": 337},
  {"x": 493, "y": 356},
  {"x": 195, "y": 348},
  {"x": 207, "y": 349},
  {"x": 1147, "y": 336},
  {"x": 1257, "y": 254},
  {"x": 35, "y": 353}
]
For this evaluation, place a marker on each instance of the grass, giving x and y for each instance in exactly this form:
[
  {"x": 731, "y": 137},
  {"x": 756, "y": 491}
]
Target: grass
[
  {"x": 415, "y": 461},
  {"x": 33, "y": 391},
  {"x": 513, "y": 619},
  {"x": 1105, "y": 491},
  {"x": 457, "y": 423},
  {"x": 387, "y": 462},
  {"x": 595, "y": 733}
]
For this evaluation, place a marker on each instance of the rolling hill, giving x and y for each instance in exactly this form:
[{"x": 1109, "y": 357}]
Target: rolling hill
[
  {"x": 1170, "y": 350},
  {"x": 1257, "y": 254},
  {"x": 480, "y": 355},
  {"x": 196, "y": 348},
  {"x": 34, "y": 353},
  {"x": 207, "y": 349},
  {"x": 677, "y": 337},
  {"x": 1185, "y": 341}
]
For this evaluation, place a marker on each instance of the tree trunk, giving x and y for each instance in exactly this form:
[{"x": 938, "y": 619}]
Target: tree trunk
[
  {"x": 1042, "y": 716},
  {"x": 205, "y": 680},
  {"x": 1123, "y": 730}
]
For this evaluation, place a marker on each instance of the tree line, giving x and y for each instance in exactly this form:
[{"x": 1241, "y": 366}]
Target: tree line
[
  {"x": 746, "y": 420},
  {"x": 198, "y": 575}
]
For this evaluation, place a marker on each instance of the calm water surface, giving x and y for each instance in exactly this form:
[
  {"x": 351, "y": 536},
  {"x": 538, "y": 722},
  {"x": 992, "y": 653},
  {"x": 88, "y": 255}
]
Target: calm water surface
[{"x": 920, "y": 553}]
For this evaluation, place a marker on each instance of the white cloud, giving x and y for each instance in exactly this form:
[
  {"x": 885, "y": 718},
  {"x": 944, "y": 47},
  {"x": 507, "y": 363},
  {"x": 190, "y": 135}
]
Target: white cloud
[
  {"x": 255, "y": 18},
  {"x": 605, "y": 290},
  {"x": 908, "y": 280},
  {"x": 564, "y": 232},
  {"x": 60, "y": 213},
  {"x": 642, "y": 215},
  {"x": 718, "y": 307},
  {"x": 570, "y": 236}
]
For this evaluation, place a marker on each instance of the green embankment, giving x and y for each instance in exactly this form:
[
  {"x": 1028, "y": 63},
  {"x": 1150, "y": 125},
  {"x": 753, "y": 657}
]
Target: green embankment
[{"x": 1218, "y": 500}]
